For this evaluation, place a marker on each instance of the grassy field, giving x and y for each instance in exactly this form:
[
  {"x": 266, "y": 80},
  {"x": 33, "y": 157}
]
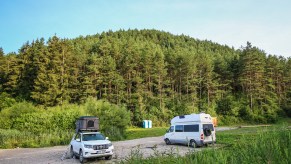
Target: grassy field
[
  {"x": 134, "y": 133},
  {"x": 15, "y": 138},
  {"x": 230, "y": 142},
  {"x": 243, "y": 145}
]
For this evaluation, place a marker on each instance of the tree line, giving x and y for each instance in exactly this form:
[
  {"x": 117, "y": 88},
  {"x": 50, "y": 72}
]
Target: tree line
[{"x": 155, "y": 74}]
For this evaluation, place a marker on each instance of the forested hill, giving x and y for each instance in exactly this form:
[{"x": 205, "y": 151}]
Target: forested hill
[{"x": 154, "y": 73}]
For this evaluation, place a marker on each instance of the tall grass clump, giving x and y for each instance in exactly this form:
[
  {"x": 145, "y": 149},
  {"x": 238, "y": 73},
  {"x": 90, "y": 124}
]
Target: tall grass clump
[{"x": 15, "y": 138}]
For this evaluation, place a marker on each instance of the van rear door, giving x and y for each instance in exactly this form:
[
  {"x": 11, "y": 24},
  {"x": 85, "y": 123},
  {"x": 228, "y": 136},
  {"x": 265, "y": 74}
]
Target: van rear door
[{"x": 209, "y": 132}]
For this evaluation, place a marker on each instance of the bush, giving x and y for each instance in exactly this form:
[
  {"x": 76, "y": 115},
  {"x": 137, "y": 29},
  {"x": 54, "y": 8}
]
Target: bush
[
  {"x": 9, "y": 115},
  {"x": 6, "y": 101},
  {"x": 47, "y": 121},
  {"x": 228, "y": 120},
  {"x": 113, "y": 119}
]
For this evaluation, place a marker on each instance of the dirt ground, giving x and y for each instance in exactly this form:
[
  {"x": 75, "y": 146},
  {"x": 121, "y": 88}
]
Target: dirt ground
[{"x": 123, "y": 149}]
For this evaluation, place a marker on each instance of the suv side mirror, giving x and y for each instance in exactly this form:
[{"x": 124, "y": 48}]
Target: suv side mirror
[
  {"x": 106, "y": 138},
  {"x": 78, "y": 139}
]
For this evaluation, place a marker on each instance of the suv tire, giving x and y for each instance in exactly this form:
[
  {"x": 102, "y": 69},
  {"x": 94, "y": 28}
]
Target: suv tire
[
  {"x": 71, "y": 152},
  {"x": 81, "y": 157},
  {"x": 108, "y": 157}
]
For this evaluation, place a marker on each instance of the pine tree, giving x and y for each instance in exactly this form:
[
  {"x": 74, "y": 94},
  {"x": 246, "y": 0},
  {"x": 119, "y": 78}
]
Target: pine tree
[
  {"x": 2, "y": 69},
  {"x": 12, "y": 74},
  {"x": 252, "y": 75}
]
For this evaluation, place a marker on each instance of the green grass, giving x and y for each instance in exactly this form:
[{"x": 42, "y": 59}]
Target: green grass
[
  {"x": 134, "y": 133},
  {"x": 243, "y": 145},
  {"x": 15, "y": 138}
]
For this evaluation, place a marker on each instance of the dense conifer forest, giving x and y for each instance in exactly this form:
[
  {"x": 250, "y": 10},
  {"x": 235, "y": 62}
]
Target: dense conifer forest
[{"x": 154, "y": 74}]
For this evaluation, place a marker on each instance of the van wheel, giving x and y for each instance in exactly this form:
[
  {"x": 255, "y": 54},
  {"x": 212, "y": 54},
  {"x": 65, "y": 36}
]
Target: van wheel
[
  {"x": 168, "y": 142},
  {"x": 193, "y": 144}
]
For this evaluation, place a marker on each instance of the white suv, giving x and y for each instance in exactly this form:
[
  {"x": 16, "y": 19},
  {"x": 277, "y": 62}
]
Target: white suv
[{"x": 91, "y": 145}]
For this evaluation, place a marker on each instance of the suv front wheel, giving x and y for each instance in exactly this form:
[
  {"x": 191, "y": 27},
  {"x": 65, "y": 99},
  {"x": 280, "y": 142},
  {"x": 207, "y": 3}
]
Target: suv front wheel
[
  {"x": 108, "y": 157},
  {"x": 81, "y": 157}
]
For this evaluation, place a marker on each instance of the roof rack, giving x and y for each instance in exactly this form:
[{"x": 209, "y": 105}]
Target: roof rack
[{"x": 84, "y": 130}]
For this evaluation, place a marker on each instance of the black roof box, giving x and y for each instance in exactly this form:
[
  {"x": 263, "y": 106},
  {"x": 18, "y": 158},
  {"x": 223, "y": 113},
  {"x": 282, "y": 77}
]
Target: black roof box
[{"x": 87, "y": 123}]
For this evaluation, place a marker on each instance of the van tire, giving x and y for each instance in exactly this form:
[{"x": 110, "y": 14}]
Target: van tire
[
  {"x": 207, "y": 131},
  {"x": 193, "y": 144},
  {"x": 168, "y": 142}
]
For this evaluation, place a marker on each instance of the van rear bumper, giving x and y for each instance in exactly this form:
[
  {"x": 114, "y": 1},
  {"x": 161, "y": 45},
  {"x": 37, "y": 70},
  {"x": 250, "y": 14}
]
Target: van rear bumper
[{"x": 202, "y": 142}]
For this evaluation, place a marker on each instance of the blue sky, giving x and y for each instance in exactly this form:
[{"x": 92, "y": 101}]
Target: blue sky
[{"x": 265, "y": 23}]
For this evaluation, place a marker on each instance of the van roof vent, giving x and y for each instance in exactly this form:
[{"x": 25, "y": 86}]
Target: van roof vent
[{"x": 182, "y": 116}]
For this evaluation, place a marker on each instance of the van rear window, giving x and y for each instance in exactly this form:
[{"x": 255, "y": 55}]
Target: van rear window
[
  {"x": 209, "y": 126},
  {"x": 191, "y": 128}
]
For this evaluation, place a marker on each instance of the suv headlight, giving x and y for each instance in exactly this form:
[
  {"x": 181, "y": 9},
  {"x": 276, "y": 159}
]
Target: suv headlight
[
  {"x": 110, "y": 144},
  {"x": 88, "y": 146}
]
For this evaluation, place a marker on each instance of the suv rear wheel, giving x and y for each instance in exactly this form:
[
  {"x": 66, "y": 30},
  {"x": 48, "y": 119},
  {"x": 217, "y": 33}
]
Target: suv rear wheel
[{"x": 71, "y": 152}]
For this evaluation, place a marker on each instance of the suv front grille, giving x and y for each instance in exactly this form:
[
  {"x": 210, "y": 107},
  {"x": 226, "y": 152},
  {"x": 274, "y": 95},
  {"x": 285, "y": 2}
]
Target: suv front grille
[{"x": 100, "y": 147}]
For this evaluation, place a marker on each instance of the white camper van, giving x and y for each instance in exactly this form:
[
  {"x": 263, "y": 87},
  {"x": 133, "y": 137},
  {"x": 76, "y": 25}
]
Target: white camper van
[{"x": 194, "y": 130}]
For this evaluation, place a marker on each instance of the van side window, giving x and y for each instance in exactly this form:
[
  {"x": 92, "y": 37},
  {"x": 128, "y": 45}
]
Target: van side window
[
  {"x": 209, "y": 126},
  {"x": 171, "y": 129},
  {"x": 191, "y": 128},
  {"x": 179, "y": 128}
]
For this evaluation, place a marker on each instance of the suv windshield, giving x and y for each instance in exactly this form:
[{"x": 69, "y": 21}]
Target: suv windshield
[{"x": 92, "y": 137}]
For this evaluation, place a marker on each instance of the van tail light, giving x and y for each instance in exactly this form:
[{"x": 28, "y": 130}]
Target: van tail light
[{"x": 202, "y": 136}]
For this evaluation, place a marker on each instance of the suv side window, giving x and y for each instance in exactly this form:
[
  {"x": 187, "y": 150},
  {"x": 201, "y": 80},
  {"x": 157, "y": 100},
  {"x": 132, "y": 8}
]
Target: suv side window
[{"x": 78, "y": 136}]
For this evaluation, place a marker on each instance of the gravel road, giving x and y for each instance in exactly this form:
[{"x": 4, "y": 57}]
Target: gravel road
[{"x": 123, "y": 149}]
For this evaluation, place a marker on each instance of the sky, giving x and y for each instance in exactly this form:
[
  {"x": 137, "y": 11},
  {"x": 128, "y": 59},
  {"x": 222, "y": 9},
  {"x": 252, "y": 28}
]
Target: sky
[{"x": 264, "y": 23}]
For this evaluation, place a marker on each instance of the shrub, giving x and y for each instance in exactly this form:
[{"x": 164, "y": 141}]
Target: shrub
[
  {"x": 51, "y": 120},
  {"x": 113, "y": 119},
  {"x": 9, "y": 115},
  {"x": 6, "y": 101}
]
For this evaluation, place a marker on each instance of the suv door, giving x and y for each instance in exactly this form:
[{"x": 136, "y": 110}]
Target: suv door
[{"x": 77, "y": 144}]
